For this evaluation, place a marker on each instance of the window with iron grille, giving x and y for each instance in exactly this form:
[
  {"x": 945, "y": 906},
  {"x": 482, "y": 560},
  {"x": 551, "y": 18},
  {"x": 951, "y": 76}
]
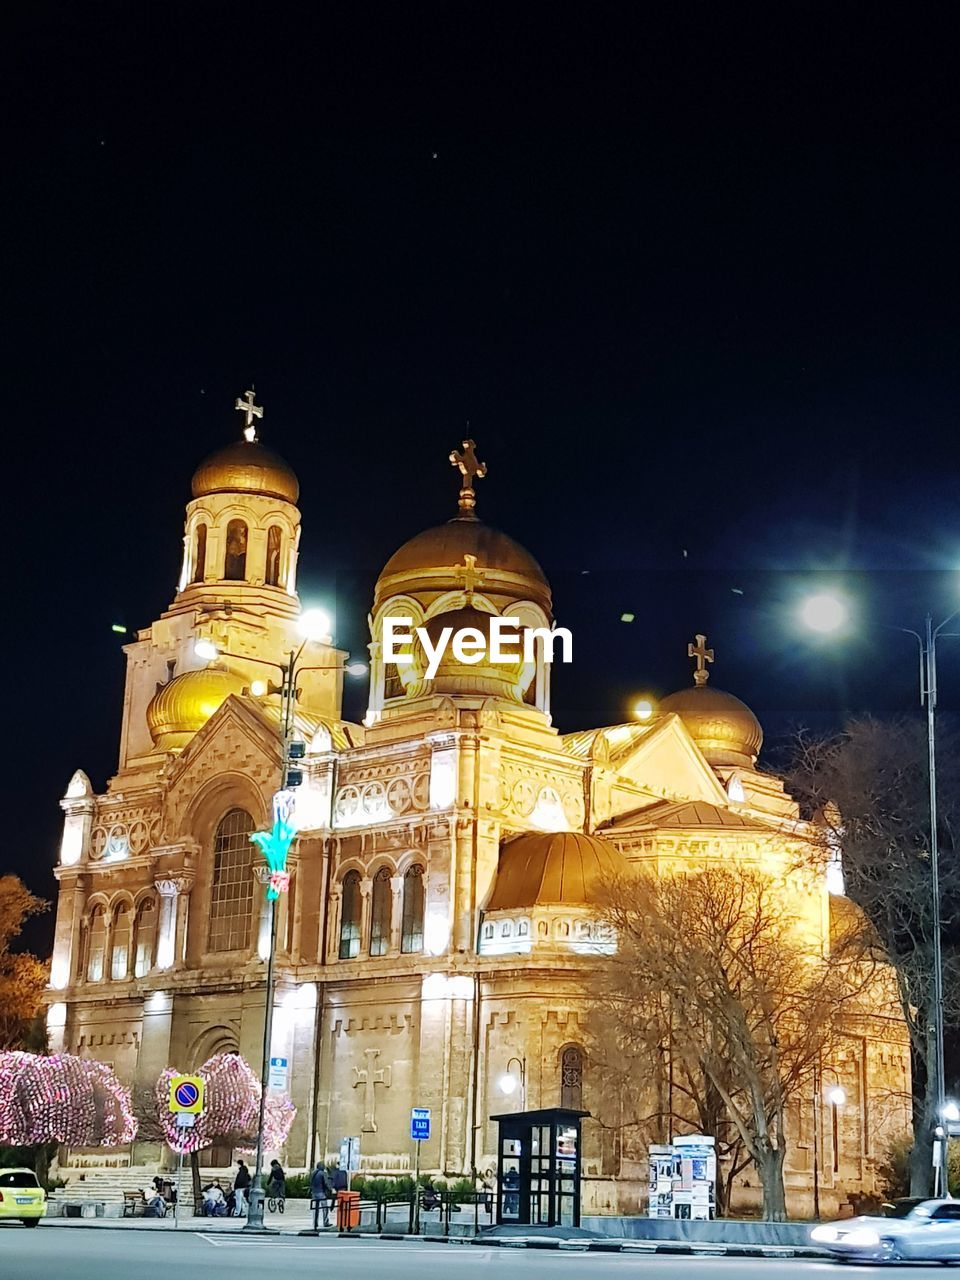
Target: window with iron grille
[
  {"x": 571, "y": 1077},
  {"x": 231, "y": 897}
]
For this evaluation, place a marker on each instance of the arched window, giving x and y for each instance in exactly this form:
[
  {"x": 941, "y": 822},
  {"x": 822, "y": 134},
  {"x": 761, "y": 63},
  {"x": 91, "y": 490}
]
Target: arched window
[
  {"x": 235, "y": 559},
  {"x": 144, "y": 937},
  {"x": 571, "y": 1077},
  {"x": 380, "y": 914},
  {"x": 96, "y": 944},
  {"x": 411, "y": 938},
  {"x": 200, "y": 554},
  {"x": 231, "y": 896},
  {"x": 272, "y": 576},
  {"x": 350, "y": 916},
  {"x": 122, "y": 934}
]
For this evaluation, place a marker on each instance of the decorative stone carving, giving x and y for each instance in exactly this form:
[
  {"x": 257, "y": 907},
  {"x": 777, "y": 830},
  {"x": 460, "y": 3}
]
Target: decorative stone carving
[{"x": 369, "y": 1077}]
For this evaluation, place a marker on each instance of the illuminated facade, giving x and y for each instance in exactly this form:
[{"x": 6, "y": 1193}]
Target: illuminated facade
[{"x": 439, "y": 912}]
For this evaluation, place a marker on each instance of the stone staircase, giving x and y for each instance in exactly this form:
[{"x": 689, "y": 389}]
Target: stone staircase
[{"x": 101, "y": 1186}]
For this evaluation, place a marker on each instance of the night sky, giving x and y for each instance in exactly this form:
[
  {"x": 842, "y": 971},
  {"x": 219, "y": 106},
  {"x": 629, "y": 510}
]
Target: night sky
[{"x": 689, "y": 271}]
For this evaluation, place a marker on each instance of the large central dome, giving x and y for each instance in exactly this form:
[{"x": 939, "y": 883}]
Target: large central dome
[{"x": 436, "y": 560}]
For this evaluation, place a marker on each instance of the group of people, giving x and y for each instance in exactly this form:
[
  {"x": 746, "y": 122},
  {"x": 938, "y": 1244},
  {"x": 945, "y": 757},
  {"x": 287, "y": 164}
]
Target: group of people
[{"x": 216, "y": 1204}]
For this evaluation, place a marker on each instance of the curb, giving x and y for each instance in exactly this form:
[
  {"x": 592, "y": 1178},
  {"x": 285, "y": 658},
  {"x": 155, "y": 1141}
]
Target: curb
[{"x": 683, "y": 1248}]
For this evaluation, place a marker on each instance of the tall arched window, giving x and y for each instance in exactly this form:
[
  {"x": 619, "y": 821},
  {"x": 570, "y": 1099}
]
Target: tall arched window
[
  {"x": 231, "y": 897},
  {"x": 122, "y": 935},
  {"x": 200, "y": 554},
  {"x": 272, "y": 576},
  {"x": 144, "y": 937},
  {"x": 571, "y": 1077},
  {"x": 96, "y": 944},
  {"x": 380, "y": 914},
  {"x": 235, "y": 559},
  {"x": 350, "y": 916},
  {"x": 411, "y": 937}
]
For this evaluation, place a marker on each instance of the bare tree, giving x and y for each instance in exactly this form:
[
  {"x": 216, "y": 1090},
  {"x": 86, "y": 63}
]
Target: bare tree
[
  {"x": 754, "y": 1005},
  {"x": 868, "y": 788}
]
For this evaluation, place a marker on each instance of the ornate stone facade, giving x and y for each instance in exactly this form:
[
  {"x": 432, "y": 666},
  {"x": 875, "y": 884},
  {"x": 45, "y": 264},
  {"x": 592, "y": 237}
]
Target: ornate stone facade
[{"x": 410, "y": 973}]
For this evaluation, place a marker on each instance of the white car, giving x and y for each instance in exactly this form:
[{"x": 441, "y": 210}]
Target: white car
[{"x": 912, "y": 1231}]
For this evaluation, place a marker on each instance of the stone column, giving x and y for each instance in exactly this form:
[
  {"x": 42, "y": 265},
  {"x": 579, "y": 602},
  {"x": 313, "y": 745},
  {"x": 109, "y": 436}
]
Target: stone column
[
  {"x": 167, "y": 890},
  {"x": 333, "y": 933},
  {"x": 366, "y": 895},
  {"x": 184, "y": 885},
  {"x": 261, "y": 873},
  {"x": 108, "y": 923},
  {"x": 396, "y": 913},
  {"x": 68, "y": 933}
]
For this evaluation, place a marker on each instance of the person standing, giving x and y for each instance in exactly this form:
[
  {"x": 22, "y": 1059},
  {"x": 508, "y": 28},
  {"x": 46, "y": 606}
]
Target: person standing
[
  {"x": 320, "y": 1194},
  {"x": 241, "y": 1185}
]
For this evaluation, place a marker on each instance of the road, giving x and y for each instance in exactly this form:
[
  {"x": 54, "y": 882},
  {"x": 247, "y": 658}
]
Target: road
[{"x": 83, "y": 1254}]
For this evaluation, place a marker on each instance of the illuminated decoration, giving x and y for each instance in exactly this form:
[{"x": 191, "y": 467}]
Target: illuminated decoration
[
  {"x": 275, "y": 844},
  {"x": 231, "y": 1109},
  {"x": 62, "y": 1098}
]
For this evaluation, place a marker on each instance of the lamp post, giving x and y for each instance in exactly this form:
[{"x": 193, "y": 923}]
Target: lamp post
[
  {"x": 836, "y": 1097},
  {"x": 275, "y": 845},
  {"x": 827, "y": 613},
  {"x": 508, "y": 1081}
]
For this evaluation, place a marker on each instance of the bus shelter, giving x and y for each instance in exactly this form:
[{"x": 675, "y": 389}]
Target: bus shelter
[{"x": 538, "y": 1167}]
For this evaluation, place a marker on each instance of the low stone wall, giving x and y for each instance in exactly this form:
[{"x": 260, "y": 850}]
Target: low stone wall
[{"x": 720, "y": 1231}]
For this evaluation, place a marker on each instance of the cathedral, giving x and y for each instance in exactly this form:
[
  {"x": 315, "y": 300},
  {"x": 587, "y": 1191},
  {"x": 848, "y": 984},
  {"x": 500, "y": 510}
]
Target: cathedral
[{"x": 431, "y": 943}]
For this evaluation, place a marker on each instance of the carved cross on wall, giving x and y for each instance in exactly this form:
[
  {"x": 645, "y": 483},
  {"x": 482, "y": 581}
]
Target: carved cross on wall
[
  {"x": 469, "y": 575},
  {"x": 370, "y": 1076}
]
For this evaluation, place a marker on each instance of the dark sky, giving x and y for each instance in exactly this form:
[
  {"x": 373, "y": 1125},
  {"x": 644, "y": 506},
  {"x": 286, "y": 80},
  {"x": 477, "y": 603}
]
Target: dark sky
[{"x": 690, "y": 271}]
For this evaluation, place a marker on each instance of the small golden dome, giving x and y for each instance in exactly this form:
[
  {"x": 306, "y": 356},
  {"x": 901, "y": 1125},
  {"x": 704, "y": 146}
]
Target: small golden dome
[
  {"x": 183, "y": 706},
  {"x": 723, "y": 727},
  {"x": 246, "y": 467},
  {"x": 499, "y": 680},
  {"x": 560, "y": 868},
  {"x": 436, "y": 560}
]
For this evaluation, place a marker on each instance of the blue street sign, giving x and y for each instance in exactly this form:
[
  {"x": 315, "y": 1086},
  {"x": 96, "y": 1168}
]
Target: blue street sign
[{"x": 420, "y": 1124}]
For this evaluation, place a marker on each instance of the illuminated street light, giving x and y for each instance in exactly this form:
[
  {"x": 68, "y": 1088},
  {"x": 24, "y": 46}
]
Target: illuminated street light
[
  {"x": 950, "y": 1112},
  {"x": 817, "y": 612},
  {"x": 206, "y": 650},
  {"x": 643, "y": 708},
  {"x": 509, "y": 1083},
  {"x": 314, "y": 624},
  {"x": 836, "y": 1096},
  {"x": 824, "y": 613},
  {"x": 356, "y": 668}
]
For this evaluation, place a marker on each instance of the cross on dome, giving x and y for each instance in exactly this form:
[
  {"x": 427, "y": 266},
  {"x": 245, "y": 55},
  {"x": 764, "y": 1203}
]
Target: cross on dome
[
  {"x": 703, "y": 655},
  {"x": 246, "y": 406},
  {"x": 470, "y": 469}
]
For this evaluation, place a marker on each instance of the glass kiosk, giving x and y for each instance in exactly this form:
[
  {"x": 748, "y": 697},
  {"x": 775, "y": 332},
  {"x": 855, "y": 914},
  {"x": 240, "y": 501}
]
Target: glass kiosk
[{"x": 538, "y": 1167}]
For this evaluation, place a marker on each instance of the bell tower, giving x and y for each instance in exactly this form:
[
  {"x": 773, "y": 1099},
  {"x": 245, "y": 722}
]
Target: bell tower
[{"x": 242, "y": 528}]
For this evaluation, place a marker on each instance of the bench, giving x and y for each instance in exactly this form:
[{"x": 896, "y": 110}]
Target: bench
[{"x": 134, "y": 1202}]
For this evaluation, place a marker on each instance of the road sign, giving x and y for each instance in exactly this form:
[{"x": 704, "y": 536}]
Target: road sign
[
  {"x": 186, "y": 1119},
  {"x": 420, "y": 1124},
  {"x": 278, "y": 1073},
  {"x": 186, "y": 1094}
]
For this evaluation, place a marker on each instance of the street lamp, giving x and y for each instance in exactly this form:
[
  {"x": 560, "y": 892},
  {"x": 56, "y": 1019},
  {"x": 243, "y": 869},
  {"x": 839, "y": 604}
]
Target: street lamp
[
  {"x": 836, "y": 1096},
  {"x": 314, "y": 624},
  {"x": 509, "y": 1082},
  {"x": 927, "y": 646}
]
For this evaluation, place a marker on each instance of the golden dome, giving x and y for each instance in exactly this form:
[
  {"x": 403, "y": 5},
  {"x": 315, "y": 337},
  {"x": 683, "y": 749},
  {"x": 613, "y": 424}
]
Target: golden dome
[
  {"x": 246, "y": 467},
  {"x": 723, "y": 727},
  {"x": 183, "y": 706},
  {"x": 560, "y": 868},
  {"x": 432, "y": 559},
  {"x": 500, "y": 680}
]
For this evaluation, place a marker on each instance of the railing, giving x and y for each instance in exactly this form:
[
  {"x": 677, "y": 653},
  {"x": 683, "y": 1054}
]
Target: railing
[{"x": 375, "y": 1210}]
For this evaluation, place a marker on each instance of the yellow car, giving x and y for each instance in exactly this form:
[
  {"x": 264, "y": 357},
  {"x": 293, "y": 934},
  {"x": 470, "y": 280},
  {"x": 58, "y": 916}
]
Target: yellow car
[{"x": 21, "y": 1196}]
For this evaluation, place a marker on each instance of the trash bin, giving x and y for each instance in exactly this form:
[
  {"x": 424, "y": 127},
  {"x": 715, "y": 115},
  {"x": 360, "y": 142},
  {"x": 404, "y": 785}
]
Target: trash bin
[{"x": 348, "y": 1210}]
